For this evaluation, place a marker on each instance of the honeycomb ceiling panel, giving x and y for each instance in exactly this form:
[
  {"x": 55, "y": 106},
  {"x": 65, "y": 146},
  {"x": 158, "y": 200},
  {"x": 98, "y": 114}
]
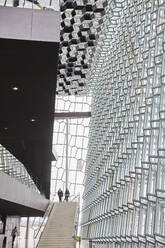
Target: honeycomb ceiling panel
[{"x": 80, "y": 28}]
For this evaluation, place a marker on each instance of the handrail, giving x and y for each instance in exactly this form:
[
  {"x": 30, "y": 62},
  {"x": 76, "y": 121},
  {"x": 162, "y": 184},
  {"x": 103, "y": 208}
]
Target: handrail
[
  {"x": 46, "y": 215},
  {"x": 76, "y": 197},
  {"x": 77, "y": 214}
]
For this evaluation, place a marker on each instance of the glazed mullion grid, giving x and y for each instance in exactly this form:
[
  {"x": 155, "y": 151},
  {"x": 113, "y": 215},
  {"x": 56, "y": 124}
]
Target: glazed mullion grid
[
  {"x": 78, "y": 129},
  {"x": 125, "y": 171}
]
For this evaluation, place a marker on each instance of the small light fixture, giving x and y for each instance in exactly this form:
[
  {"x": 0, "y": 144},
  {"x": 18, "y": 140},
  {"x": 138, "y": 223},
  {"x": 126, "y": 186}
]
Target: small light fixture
[
  {"x": 32, "y": 120},
  {"x": 15, "y": 88},
  {"x": 5, "y": 128}
]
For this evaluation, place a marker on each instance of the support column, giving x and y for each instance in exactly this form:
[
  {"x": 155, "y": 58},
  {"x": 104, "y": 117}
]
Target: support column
[
  {"x": 27, "y": 233},
  {"x": 67, "y": 153}
]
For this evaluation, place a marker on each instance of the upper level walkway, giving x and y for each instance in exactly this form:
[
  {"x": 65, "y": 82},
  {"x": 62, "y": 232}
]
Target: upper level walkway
[
  {"x": 18, "y": 192},
  {"x": 29, "y": 24}
]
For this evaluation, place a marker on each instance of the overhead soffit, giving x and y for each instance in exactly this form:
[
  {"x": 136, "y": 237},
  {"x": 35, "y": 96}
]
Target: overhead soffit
[{"x": 27, "y": 114}]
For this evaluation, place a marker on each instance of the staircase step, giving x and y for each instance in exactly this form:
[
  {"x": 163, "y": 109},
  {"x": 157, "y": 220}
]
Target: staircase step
[{"x": 59, "y": 229}]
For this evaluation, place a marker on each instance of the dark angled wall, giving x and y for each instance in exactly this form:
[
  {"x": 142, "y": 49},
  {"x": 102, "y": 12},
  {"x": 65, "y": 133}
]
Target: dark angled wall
[{"x": 31, "y": 66}]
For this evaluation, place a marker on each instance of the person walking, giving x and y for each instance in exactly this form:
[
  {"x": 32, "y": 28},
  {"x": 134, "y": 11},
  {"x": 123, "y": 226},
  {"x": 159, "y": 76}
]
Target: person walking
[
  {"x": 14, "y": 233},
  {"x": 67, "y": 194},
  {"x": 60, "y": 194}
]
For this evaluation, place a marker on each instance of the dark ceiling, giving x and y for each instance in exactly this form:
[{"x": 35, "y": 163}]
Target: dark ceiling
[
  {"x": 26, "y": 114},
  {"x": 11, "y": 208}
]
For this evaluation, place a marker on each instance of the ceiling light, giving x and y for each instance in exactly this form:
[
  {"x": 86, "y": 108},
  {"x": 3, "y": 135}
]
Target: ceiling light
[
  {"x": 15, "y": 88},
  {"x": 5, "y": 128},
  {"x": 32, "y": 120}
]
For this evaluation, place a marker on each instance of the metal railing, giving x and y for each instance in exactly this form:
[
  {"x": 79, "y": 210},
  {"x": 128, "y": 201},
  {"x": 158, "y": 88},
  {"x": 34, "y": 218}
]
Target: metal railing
[
  {"x": 40, "y": 229},
  {"x": 76, "y": 220},
  {"x": 14, "y": 168}
]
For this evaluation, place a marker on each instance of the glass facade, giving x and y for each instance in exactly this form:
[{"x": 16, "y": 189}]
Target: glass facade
[
  {"x": 78, "y": 129},
  {"x": 11, "y": 166},
  {"x": 124, "y": 196}
]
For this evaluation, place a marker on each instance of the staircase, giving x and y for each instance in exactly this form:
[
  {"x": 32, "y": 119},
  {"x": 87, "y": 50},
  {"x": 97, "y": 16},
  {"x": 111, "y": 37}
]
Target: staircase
[{"x": 59, "y": 229}]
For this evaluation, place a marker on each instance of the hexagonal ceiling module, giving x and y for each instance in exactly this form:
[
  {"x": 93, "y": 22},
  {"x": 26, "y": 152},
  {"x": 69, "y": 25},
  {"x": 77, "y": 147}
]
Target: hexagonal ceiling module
[{"x": 80, "y": 28}]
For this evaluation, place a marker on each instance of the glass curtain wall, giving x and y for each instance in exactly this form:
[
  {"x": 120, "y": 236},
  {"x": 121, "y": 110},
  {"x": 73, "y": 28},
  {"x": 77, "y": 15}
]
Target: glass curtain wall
[
  {"x": 78, "y": 129},
  {"x": 124, "y": 196}
]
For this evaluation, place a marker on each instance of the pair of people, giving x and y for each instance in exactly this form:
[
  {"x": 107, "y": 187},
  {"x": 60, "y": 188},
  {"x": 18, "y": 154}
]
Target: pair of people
[{"x": 60, "y": 195}]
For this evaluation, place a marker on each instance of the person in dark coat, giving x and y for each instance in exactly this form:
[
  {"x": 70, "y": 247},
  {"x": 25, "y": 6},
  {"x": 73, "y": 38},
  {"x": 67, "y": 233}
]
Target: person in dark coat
[
  {"x": 67, "y": 193},
  {"x": 14, "y": 233},
  {"x": 60, "y": 195}
]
